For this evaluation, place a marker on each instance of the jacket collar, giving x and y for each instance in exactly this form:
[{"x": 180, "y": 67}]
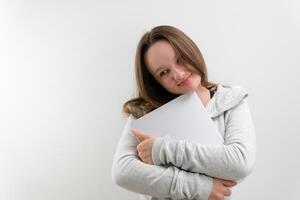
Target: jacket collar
[{"x": 225, "y": 98}]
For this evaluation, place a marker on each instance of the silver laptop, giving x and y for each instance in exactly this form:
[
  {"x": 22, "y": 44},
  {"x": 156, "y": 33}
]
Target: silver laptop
[{"x": 183, "y": 118}]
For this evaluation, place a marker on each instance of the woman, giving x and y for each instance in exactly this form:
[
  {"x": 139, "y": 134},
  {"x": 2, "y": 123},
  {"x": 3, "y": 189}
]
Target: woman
[{"x": 168, "y": 63}]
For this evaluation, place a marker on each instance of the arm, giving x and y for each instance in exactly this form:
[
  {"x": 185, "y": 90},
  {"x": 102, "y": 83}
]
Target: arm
[
  {"x": 159, "y": 181},
  {"x": 232, "y": 160}
]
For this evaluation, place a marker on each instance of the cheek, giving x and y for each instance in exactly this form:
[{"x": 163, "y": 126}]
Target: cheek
[
  {"x": 169, "y": 85},
  {"x": 197, "y": 78},
  {"x": 192, "y": 69},
  {"x": 164, "y": 84}
]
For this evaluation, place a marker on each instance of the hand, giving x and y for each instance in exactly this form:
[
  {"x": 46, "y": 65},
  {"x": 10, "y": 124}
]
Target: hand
[
  {"x": 221, "y": 189},
  {"x": 144, "y": 148}
]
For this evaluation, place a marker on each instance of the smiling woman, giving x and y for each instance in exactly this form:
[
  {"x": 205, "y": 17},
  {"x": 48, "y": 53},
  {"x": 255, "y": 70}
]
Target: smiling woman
[
  {"x": 177, "y": 76},
  {"x": 168, "y": 64},
  {"x": 165, "y": 56}
]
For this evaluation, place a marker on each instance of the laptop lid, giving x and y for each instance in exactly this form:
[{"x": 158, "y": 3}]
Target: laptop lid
[{"x": 183, "y": 118}]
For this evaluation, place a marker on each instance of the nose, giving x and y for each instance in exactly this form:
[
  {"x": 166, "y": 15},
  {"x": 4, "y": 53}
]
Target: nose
[{"x": 178, "y": 73}]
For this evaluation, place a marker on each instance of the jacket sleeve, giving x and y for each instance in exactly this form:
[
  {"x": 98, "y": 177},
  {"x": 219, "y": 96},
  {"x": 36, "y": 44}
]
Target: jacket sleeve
[
  {"x": 233, "y": 160},
  {"x": 129, "y": 172}
]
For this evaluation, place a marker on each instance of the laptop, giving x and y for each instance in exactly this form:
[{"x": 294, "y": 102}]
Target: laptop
[{"x": 183, "y": 118}]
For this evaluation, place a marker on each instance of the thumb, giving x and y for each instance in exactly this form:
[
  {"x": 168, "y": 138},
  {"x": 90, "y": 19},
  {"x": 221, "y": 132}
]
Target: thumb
[
  {"x": 229, "y": 183},
  {"x": 139, "y": 135}
]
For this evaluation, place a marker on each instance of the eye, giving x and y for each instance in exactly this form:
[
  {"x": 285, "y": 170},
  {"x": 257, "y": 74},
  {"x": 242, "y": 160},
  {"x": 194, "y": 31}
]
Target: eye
[{"x": 163, "y": 73}]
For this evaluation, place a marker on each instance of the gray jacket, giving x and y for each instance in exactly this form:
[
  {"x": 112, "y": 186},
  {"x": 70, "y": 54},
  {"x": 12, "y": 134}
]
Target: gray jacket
[{"x": 184, "y": 170}]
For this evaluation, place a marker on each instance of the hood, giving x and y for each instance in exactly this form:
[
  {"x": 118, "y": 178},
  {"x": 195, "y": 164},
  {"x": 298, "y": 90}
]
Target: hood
[{"x": 225, "y": 98}]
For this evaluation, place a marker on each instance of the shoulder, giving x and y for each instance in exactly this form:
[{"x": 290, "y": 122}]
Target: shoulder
[
  {"x": 230, "y": 93},
  {"x": 227, "y": 97}
]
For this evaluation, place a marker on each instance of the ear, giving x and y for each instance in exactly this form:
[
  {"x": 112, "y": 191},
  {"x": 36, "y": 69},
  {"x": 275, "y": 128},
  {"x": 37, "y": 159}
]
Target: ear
[{"x": 139, "y": 135}]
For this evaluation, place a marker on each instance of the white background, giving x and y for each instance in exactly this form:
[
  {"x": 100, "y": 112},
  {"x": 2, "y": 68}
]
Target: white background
[{"x": 67, "y": 67}]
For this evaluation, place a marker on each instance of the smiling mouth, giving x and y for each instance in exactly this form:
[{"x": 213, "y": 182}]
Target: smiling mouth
[{"x": 184, "y": 80}]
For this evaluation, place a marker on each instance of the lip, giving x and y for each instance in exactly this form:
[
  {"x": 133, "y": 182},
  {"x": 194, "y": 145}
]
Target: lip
[{"x": 185, "y": 81}]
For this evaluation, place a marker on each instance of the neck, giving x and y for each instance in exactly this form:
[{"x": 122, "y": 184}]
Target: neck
[{"x": 203, "y": 94}]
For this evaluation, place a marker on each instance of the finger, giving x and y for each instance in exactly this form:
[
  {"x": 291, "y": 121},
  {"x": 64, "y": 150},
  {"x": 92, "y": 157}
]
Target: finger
[
  {"x": 147, "y": 158},
  {"x": 139, "y": 135},
  {"x": 140, "y": 147},
  {"x": 144, "y": 157},
  {"x": 229, "y": 183},
  {"x": 139, "y": 151},
  {"x": 227, "y": 192},
  {"x": 140, "y": 156}
]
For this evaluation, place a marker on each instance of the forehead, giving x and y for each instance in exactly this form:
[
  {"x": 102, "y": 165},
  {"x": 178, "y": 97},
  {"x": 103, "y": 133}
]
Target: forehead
[{"x": 160, "y": 54}]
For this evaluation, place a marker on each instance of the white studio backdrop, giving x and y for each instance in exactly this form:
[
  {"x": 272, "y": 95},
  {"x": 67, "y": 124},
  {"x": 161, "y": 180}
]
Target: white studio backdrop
[{"x": 67, "y": 67}]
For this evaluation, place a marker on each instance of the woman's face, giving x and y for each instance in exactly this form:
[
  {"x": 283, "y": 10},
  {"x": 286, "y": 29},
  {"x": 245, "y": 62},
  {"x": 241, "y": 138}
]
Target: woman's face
[{"x": 173, "y": 74}]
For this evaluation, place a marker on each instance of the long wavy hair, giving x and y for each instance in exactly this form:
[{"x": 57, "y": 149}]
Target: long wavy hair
[{"x": 150, "y": 94}]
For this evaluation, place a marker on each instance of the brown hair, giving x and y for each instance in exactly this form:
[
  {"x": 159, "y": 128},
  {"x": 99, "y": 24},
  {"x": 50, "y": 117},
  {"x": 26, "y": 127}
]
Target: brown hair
[{"x": 150, "y": 94}]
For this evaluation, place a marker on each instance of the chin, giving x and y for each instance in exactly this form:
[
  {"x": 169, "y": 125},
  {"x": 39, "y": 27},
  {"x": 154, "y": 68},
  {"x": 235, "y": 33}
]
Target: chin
[{"x": 187, "y": 90}]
